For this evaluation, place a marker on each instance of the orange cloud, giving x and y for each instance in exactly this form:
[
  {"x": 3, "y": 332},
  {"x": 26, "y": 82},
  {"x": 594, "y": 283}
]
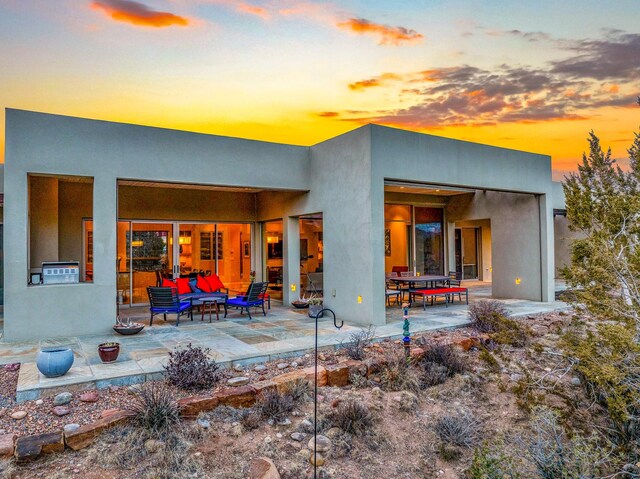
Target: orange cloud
[
  {"x": 328, "y": 114},
  {"x": 614, "y": 89},
  {"x": 388, "y": 35},
  {"x": 373, "y": 82},
  {"x": 253, "y": 10},
  {"x": 138, "y": 14}
]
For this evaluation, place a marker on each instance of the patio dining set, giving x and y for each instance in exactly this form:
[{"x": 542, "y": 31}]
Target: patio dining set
[{"x": 405, "y": 286}]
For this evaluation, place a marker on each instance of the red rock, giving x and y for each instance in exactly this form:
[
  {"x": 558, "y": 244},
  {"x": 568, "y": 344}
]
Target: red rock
[
  {"x": 192, "y": 406},
  {"x": 85, "y": 435},
  {"x": 30, "y": 447},
  {"x": 373, "y": 366},
  {"x": 337, "y": 375},
  {"x": 263, "y": 386},
  {"x": 109, "y": 412},
  {"x": 90, "y": 396},
  {"x": 336, "y": 402},
  {"x": 60, "y": 411},
  {"x": 467, "y": 343},
  {"x": 263, "y": 468},
  {"x": 238, "y": 397},
  {"x": 417, "y": 353},
  {"x": 7, "y": 444}
]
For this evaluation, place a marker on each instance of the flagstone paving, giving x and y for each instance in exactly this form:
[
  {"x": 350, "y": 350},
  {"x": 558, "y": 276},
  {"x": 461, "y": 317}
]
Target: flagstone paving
[{"x": 283, "y": 332}]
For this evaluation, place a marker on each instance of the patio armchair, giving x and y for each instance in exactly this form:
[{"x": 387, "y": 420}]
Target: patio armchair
[
  {"x": 253, "y": 299},
  {"x": 166, "y": 300}
]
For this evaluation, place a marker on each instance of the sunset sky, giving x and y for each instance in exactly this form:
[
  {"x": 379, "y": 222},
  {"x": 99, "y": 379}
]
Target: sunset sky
[{"x": 536, "y": 76}]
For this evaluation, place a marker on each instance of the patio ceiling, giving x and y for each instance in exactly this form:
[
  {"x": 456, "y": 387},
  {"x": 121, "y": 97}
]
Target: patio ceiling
[{"x": 422, "y": 189}]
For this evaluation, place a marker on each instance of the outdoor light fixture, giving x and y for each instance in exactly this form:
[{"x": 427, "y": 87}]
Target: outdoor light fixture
[
  {"x": 293, "y": 287},
  {"x": 359, "y": 299},
  {"x": 518, "y": 280}
]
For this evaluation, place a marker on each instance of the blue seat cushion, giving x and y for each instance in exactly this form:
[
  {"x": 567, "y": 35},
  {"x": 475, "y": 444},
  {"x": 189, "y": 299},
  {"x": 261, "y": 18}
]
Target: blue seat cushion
[
  {"x": 173, "y": 309},
  {"x": 240, "y": 301}
]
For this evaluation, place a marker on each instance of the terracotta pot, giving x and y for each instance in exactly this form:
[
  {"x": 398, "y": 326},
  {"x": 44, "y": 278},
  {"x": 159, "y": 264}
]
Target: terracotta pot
[{"x": 108, "y": 352}]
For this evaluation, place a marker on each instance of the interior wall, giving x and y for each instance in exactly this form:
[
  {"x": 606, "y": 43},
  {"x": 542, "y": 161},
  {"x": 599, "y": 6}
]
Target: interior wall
[
  {"x": 485, "y": 267},
  {"x": 515, "y": 235},
  {"x": 75, "y": 203},
  {"x": 43, "y": 220},
  {"x": 137, "y": 202}
]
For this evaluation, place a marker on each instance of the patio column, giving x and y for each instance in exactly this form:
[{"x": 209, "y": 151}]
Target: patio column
[
  {"x": 547, "y": 260},
  {"x": 291, "y": 259}
]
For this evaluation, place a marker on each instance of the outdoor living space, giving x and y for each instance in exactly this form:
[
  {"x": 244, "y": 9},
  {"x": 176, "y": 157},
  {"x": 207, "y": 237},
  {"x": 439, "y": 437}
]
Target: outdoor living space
[{"x": 283, "y": 332}]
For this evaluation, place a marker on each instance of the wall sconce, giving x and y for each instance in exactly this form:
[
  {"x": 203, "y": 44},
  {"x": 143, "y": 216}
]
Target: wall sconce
[
  {"x": 272, "y": 239},
  {"x": 518, "y": 280},
  {"x": 184, "y": 240},
  {"x": 293, "y": 287},
  {"x": 359, "y": 299}
]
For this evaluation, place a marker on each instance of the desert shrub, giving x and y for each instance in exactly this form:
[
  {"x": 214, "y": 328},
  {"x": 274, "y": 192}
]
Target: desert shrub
[
  {"x": 459, "y": 429},
  {"x": 191, "y": 368},
  {"x": 492, "y": 317},
  {"x": 358, "y": 380},
  {"x": 446, "y": 356},
  {"x": 399, "y": 375},
  {"x": 352, "y": 417},
  {"x": 449, "y": 453},
  {"x": 358, "y": 340},
  {"x": 275, "y": 405},
  {"x": 490, "y": 360},
  {"x": 7, "y": 469},
  {"x": 556, "y": 456},
  {"x": 128, "y": 447},
  {"x": 433, "y": 374},
  {"x": 608, "y": 360},
  {"x": 299, "y": 390},
  {"x": 250, "y": 418},
  {"x": 492, "y": 463},
  {"x": 155, "y": 408}
]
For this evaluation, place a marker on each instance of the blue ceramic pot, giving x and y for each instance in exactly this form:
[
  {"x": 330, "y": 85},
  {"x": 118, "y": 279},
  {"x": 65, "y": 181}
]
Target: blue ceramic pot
[{"x": 54, "y": 362}]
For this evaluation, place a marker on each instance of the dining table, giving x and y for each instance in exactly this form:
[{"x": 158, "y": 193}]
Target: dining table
[{"x": 423, "y": 278}]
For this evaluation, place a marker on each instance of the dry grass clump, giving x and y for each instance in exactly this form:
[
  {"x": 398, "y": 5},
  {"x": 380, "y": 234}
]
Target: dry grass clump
[
  {"x": 352, "y": 417},
  {"x": 358, "y": 340},
  {"x": 155, "y": 408},
  {"x": 191, "y": 368},
  {"x": 7, "y": 469},
  {"x": 274, "y": 405},
  {"x": 398, "y": 374},
  {"x": 446, "y": 355},
  {"x": 459, "y": 429},
  {"x": 299, "y": 390},
  {"x": 250, "y": 418},
  {"x": 492, "y": 317}
]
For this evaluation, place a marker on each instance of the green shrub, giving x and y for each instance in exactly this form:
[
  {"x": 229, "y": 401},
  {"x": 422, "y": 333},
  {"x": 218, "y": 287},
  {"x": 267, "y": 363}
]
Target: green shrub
[
  {"x": 490, "y": 360},
  {"x": 492, "y": 463},
  {"x": 492, "y": 317},
  {"x": 608, "y": 360}
]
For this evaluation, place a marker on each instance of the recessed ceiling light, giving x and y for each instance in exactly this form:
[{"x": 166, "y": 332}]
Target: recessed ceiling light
[
  {"x": 402, "y": 187},
  {"x": 437, "y": 190}
]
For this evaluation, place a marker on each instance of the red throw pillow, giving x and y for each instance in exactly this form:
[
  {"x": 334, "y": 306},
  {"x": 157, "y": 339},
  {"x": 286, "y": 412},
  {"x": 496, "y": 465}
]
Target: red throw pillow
[
  {"x": 203, "y": 285},
  {"x": 214, "y": 282},
  {"x": 167, "y": 283},
  {"x": 183, "y": 286}
]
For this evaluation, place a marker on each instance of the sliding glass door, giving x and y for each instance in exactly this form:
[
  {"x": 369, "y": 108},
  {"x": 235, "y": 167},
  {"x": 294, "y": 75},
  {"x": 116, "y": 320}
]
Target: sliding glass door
[
  {"x": 429, "y": 243},
  {"x": 149, "y": 251}
]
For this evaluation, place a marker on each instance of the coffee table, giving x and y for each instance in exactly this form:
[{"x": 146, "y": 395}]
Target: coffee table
[{"x": 209, "y": 301}]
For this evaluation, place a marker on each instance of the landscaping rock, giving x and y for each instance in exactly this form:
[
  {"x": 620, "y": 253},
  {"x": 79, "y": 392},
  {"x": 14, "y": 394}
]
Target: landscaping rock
[
  {"x": 298, "y": 436},
  {"x": 282, "y": 366},
  {"x": 85, "y": 435},
  {"x": 263, "y": 386},
  {"x": 239, "y": 381},
  {"x": 90, "y": 396},
  {"x": 260, "y": 368},
  {"x": 62, "y": 399},
  {"x": 337, "y": 375},
  {"x": 322, "y": 443},
  {"x": 294, "y": 364},
  {"x": 204, "y": 423},
  {"x": 317, "y": 459},
  {"x": 19, "y": 415},
  {"x": 109, "y": 412},
  {"x": 39, "y": 402},
  {"x": 576, "y": 381},
  {"x": 263, "y": 468},
  {"x": 284, "y": 422},
  {"x": 133, "y": 389},
  {"x": 237, "y": 397},
  {"x": 194, "y": 405},
  {"x": 7, "y": 444},
  {"x": 306, "y": 426},
  {"x": 30, "y": 447},
  {"x": 60, "y": 411},
  {"x": 69, "y": 428},
  {"x": 238, "y": 367}
]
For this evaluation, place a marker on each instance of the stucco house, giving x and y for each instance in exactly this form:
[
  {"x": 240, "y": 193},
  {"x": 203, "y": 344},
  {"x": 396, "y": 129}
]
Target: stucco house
[{"x": 128, "y": 201}]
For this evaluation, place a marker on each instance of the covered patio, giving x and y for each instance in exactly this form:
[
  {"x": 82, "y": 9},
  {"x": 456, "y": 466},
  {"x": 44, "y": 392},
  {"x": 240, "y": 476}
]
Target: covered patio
[{"x": 283, "y": 332}]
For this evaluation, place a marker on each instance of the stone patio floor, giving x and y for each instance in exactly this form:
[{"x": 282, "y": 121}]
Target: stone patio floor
[{"x": 284, "y": 332}]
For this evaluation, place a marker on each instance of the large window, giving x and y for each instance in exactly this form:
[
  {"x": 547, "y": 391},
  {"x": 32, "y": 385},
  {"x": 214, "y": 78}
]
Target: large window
[
  {"x": 60, "y": 230},
  {"x": 429, "y": 240}
]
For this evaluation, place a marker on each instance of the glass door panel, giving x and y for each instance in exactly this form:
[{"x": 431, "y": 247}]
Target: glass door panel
[
  {"x": 470, "y": 253},
  {"x": 397, "y": 236},
  {"x": 233, "y": 254},
  {"x": 429, "y": 242},
  {"x": 196, "y": 248},
  {"x": 150, "y": 256}
]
